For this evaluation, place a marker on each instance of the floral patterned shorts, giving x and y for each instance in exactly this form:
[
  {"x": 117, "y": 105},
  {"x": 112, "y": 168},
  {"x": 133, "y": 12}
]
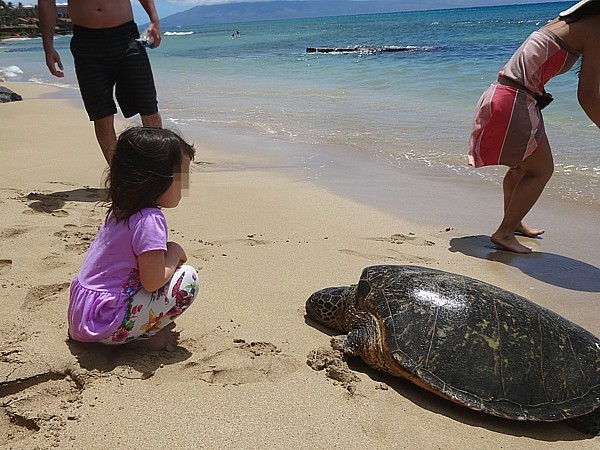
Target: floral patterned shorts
[{"x": 148, "y": 312}]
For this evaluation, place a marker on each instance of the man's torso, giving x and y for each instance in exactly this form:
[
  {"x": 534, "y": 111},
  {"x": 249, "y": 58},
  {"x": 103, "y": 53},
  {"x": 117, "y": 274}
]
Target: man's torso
[{"x": 100, "y": 13}]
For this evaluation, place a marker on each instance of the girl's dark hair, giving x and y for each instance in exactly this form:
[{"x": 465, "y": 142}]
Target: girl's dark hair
[
  {"x": 589, "y": 9},
  {"x": 141, "y": 169}
]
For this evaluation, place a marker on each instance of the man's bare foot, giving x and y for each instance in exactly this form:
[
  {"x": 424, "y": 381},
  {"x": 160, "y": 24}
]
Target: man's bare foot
[
  {"x": 529, "y": 232},
  {"x": 165, "y": 339},
  {"x": 509, "y": 243}
]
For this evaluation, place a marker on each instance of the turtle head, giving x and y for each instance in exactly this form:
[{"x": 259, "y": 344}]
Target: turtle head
[{"x": 329, "y": 306}]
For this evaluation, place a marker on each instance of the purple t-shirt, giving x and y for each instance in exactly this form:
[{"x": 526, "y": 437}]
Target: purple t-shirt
[{"x": 109, "y": 276}]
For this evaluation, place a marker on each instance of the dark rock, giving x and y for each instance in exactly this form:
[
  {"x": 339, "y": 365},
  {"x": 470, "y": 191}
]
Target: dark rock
[
  {"x": 359, "y": 49},
  {"x": 6, "y": 95}
]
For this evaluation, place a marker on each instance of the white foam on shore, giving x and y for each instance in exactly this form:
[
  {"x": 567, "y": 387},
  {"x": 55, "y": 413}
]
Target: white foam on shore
[
  {"x": 10, "y": 71},
  {"x": 55, "y": 83}
]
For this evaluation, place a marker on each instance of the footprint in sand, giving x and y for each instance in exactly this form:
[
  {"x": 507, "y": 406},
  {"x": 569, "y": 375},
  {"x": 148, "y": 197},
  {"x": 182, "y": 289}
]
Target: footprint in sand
[
  {"x": 8, "y": 233},
  {"x": 394, "y": 257},
  {"x": 38, "y": 296},
  {"x": 42, "y": 402},
  {"x": 5, "y": 266},
  {"x": 400, "y": 238},
  {"x": 77, "y": 238},
  {"x": 251, "y": 240},
  {"x": 34, "y": 397},
  {"x": 205, "y": 253},
  {"x": 243, "y": 363},
  {"x": 202, "y": 254}
]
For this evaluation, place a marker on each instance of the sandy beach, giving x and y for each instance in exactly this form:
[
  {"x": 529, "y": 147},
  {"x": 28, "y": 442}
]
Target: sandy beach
[{"x": 263, "y": 238}]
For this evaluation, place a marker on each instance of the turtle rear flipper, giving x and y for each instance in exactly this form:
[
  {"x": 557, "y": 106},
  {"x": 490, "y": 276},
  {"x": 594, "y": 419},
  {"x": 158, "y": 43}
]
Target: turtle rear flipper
[{"x": 588, "y": 424}]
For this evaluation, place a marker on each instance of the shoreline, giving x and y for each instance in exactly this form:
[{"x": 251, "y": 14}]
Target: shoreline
[
  {"x": 463, "y": 207},
  {"x": 264, "y": 234},
  {"x": 416, "y": 192}
]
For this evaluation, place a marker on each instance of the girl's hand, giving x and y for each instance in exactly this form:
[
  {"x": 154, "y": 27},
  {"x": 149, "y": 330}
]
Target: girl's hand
[{"x": 175, "y": 249}]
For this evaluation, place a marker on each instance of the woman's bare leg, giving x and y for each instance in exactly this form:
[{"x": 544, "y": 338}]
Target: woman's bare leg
[
  {"x": 535, "y": 171},
  {"x": 511, "y": 179}
]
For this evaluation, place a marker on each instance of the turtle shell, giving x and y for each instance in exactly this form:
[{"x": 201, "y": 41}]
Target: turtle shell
[{"x": 481, "y": 346}]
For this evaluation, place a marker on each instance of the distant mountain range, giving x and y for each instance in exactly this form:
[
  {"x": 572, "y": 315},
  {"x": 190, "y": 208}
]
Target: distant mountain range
[{"x": 273, "y": 10}]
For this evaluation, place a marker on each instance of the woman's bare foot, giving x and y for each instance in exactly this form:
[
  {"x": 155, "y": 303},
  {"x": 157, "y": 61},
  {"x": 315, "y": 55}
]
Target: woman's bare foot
[
  {"x": 165, "y": 339},
  {"x": 529, "y": 232},
  {"x": 509, "y": 243}
]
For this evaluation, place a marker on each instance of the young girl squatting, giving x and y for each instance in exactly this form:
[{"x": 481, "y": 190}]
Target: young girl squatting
[{"x": 133, "y": 282}]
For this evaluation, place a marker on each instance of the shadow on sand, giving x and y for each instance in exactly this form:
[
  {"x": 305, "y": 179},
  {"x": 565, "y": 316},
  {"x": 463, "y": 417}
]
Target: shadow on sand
[
  {"x": 105, "y": 358},
  {"x": 48, "y": 203},
  {"x": 550, "y": 268}
]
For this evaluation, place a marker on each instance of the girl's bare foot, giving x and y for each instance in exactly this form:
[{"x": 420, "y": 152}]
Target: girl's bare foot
[
  {"x": 509, "y": 243},
  {"x": 529, "y": 232}
]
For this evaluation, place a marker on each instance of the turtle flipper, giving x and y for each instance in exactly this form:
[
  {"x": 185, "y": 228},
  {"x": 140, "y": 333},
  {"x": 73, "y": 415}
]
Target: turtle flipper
[
  {"x": 346, "y": 345},
  {"x": 356, "y": 341},
  {"x": 588, "y": 424}
]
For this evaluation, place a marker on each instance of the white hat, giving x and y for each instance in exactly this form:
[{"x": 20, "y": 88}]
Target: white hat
[{"x": 574, "y": 8}]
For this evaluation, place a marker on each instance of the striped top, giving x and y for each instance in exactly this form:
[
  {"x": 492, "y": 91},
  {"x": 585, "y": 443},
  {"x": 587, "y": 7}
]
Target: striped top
[
  {"x": 508, "y": 125},
  {"x": 542, "y": 56}
]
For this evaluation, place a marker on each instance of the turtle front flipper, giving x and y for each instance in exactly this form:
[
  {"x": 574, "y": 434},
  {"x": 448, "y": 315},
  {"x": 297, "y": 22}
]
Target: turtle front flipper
[
  {"x": 363, "y": 340},
  {"x": 347, "y": 344}
]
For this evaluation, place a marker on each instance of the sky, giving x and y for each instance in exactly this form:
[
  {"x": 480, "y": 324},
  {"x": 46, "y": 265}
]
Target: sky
[{"x": 168, "y": 7}]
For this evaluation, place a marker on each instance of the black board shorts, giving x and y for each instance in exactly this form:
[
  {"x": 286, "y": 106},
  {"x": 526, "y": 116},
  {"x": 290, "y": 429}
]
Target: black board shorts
[{"x": 108, "y": 59}]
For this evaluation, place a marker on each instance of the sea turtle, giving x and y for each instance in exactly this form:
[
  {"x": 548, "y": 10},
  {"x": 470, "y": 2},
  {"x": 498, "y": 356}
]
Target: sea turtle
[{"x": 468, "y": 341}]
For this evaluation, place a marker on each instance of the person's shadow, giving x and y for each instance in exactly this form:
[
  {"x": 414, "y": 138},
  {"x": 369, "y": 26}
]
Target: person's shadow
[
  {"x": 105, "y": 358},
  {"x": 550, "y": 268},
  {"x": 49, "y": 203}
]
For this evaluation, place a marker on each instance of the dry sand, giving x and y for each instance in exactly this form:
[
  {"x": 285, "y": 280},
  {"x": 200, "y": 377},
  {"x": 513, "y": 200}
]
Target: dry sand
[{"x": 263, "y": 241}]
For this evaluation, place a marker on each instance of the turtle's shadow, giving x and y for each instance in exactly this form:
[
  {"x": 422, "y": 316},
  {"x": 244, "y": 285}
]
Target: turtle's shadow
[
  {"x": 542, "y": 431},
  {"x": 549, "y": 268}
]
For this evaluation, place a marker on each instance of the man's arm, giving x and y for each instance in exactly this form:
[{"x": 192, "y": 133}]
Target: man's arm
[
  {"x": 47, "y": 17},
  {"x": 154, "y": 27}
]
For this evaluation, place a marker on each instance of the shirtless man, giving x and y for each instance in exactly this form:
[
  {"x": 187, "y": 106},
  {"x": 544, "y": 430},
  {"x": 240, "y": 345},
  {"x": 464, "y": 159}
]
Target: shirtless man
[{"x": 107, "y": 58}]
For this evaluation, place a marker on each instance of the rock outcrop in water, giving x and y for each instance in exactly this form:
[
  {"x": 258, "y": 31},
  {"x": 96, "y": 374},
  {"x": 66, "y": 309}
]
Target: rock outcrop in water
[{"x": 359, "y": 49}]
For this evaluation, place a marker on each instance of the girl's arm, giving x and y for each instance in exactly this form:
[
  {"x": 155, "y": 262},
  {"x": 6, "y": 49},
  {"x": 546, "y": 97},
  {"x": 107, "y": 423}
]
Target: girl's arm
[{"x": 157, "y": 267}]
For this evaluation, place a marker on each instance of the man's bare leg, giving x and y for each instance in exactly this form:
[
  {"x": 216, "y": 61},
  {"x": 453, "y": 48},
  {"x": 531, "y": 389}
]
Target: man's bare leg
[
  {"x": 536, "y": 171},
  {"x": 106, "y": 136},
  {"x": 153, "y": 120},
  {"x": 511, "y": 179}
]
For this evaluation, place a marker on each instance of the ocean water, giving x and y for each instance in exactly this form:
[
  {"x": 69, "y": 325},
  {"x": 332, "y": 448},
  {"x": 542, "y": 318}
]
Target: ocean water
[{"x": 403, "y": 109}]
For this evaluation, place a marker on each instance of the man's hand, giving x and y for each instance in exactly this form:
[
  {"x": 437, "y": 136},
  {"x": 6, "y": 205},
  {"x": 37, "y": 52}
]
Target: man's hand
[
  {"x": 154, "y": 34},
  {"x": 53, "y": 61}
]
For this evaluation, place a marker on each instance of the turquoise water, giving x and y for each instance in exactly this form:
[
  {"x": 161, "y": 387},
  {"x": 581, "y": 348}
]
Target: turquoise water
[{"x": 401, "y": 108}]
